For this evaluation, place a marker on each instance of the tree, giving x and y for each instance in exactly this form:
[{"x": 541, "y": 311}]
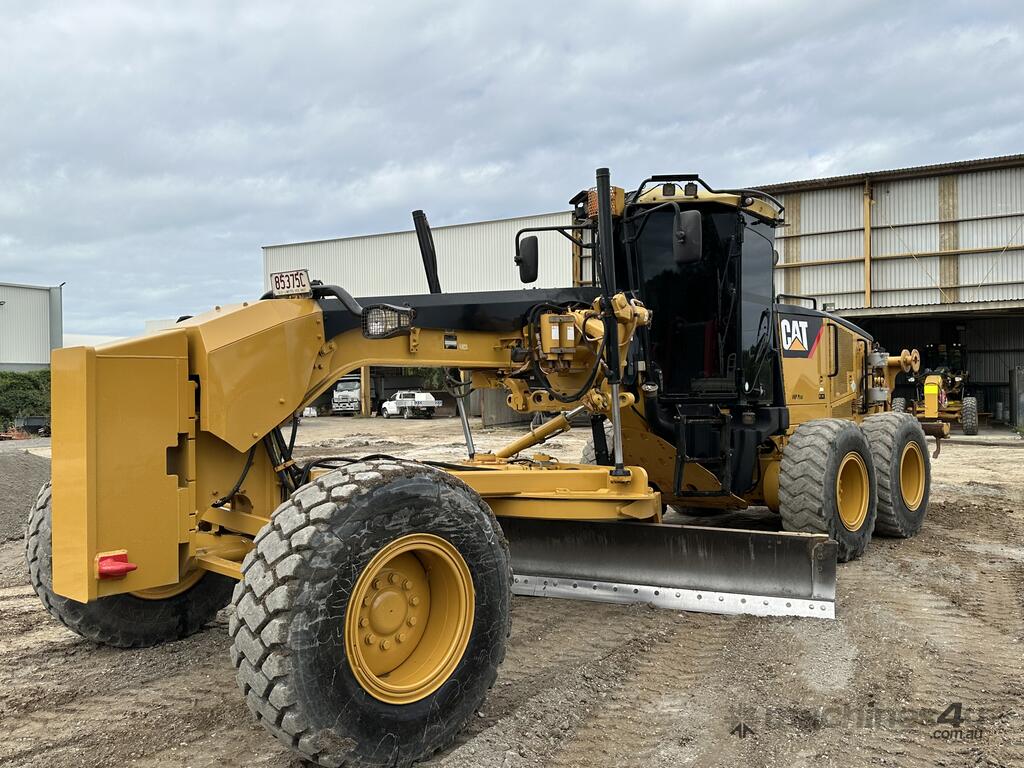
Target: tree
[
  {"x": 431, "y": 378},
  {"x": 24, "y": 394}
]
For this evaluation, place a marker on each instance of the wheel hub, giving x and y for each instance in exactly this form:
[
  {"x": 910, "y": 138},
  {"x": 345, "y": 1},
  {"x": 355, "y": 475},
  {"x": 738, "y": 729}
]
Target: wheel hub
[
  {"x": 852, "y": 493},
  {"x": 912, "y": 475},
  {"x": 409, "y": 618},
  {"x": 391, "y": 613}
]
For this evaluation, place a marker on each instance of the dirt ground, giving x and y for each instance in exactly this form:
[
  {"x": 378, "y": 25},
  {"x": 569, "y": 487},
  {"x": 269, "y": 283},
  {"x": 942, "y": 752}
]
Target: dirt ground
[{"x": 923, "y": 624}]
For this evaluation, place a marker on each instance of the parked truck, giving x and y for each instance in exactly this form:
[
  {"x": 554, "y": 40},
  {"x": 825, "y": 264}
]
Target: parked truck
[
  {"x": 346, "y": 396},
  {"x": 408, "y": 404}
]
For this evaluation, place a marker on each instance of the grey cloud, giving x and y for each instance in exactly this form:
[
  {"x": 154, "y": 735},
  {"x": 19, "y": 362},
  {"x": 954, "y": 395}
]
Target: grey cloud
[{"x": 162, "y": 144}]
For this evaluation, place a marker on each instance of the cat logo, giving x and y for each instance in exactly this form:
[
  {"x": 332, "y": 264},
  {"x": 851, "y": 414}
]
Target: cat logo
[
  {"x": 794, "y": 335},
  {"x": 799, "y": 336}
]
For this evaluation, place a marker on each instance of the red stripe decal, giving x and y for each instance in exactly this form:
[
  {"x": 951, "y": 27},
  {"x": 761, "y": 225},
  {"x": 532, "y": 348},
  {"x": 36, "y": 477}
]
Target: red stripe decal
[{"x": 817, "y": 338}]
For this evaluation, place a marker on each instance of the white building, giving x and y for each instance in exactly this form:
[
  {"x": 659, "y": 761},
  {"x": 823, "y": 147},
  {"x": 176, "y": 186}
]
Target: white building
[
  {"x": 470, "y": 257},
  {"x": 31, "y": 324}
]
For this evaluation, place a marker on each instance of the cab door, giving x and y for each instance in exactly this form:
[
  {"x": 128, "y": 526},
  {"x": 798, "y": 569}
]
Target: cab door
[
  {"x": 844, "y": 359},
  {"x": 802, "y": 338}
]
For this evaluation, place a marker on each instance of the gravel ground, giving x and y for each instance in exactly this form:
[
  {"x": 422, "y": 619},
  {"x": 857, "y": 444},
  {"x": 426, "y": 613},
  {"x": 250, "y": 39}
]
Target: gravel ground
[
  {"x": 21, "y": 476},
  {"x": 922, "y": 624}
]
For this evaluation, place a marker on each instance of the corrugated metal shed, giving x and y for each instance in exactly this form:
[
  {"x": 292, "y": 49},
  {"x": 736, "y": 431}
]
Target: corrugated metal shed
[
  {"x": 898, "y": 242},
  {"x": 470, "y": 257},
  {"x": 938, "y": 169},
  {"x": 932, "y": 255},
  {"x": 30, "y": 325},
  {"x": 992, "y": 344}
]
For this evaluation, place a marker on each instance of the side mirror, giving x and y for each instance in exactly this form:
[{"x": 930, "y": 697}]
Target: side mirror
[
  {"x": 526, "y": 259},
  {"x": 687, "y": 243}
]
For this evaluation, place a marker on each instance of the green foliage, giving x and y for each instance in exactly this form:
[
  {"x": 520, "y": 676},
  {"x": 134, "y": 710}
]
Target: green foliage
[
  {"x": 24, "y": 394},
  {"x": 433, "y": 378}
]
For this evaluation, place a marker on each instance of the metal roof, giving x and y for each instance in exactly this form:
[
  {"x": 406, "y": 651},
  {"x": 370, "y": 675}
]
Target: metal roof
[
  {"x": 33, "y": 287},
  {"x": 940, "y": 169}
]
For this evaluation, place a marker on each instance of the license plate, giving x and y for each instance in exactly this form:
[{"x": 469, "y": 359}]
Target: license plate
[{"x": 293, "y": 283}]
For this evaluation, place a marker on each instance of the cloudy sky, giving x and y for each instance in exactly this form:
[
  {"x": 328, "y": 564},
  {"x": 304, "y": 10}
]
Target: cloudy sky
[{"x": 148, "y": 150}]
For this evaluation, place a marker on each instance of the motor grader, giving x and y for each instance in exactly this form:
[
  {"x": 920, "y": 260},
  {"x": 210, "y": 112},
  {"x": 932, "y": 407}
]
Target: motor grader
[
  {"x": 938, "y": 395},
  {"x": 371, "y": 595}
]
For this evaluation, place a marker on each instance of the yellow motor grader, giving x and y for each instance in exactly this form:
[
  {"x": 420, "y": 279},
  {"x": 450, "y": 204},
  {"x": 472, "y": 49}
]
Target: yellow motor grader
[
  {"x": 371, "y": 595},
  {"x": 939, "y": 394}
]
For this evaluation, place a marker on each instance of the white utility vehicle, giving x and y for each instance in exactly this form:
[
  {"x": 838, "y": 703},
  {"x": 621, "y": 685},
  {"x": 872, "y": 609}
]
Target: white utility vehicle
[{"x": 408, "y": 404}]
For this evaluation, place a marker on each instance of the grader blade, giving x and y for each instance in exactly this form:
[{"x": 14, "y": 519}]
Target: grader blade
[{"x": 684, "y": 567}]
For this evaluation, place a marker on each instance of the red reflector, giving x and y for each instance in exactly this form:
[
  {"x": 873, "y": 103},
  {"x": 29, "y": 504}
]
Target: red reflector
[{"x": 114, "y": 566}]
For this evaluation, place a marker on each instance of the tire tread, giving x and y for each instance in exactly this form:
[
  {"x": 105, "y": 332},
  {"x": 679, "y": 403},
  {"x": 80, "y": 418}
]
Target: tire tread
[
  {"x": 802, "y": 477},
  {"x": 267, "y": 590}
]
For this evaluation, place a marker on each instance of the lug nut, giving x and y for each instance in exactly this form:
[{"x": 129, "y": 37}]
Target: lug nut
[
  {"x": 376, "y": 584},
  {"x": 401, "y": 637},
  {"x": 370, "y": 639},
  {"x": 393, "y": 577},
  {"x": 412, "y": 621},
  {"x": 366, "y": 600},
  {"x": 406, "y": 585},
  {"x": 385, "y": 644},
  {"x": 414, "y": 601},
  {"x": 363, "y": 622}
]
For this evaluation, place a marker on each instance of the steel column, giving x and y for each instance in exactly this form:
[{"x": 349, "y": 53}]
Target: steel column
[{"x": 867, "y": 243}]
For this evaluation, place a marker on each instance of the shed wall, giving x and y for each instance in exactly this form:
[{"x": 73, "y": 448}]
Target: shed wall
[
  {"x": 470, "y": 257},
  {"x": 29, "y": 326},
  {"x": 954, "y": 239}
]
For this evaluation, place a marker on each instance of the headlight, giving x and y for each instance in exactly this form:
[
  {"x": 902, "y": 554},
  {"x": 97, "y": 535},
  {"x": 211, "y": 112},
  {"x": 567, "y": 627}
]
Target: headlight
[{"x": 385, "y": 320}]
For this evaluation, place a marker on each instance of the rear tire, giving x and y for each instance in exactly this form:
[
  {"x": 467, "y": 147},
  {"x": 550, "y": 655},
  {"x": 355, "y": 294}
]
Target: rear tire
[
  {"x": 820, "y": 456},
  {"x": 969, "y": 415},
  {"x": 123, "y": 621},
  {"x": 903, "y": 471},
  {"x": 298, "y": 650},
  {"x": 899, "y": 405},
  {"x": 406, "y": 413}
]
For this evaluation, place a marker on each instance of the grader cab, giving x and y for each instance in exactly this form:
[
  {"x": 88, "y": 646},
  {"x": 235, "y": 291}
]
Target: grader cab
[{"x": 371, "y": 595}]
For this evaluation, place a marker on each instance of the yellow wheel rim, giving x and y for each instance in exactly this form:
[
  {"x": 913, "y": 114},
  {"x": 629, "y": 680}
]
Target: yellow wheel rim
[
  {"x": 912, "y": 475},
  {"x": 852, "y": 492},
  {"x": 186, "y": 583},
  {"x": 409, "y": 619}
]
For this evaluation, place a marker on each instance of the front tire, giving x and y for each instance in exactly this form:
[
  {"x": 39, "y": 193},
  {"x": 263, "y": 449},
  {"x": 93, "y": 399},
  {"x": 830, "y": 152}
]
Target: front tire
[
  {"x": 827, "y": 484},
  {"x": 969, "y": 415},
  {"x": 903, "y": 471},
  {"x": 899, "y": 404},
  {"x": 122, "y": 621},
  {"x": 384, "y": 413},
  {"x": 354, "y": 584}
]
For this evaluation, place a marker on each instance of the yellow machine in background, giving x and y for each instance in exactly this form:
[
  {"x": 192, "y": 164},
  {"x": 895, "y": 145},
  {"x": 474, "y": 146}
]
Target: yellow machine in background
[
  {"x": 371, "y": 595},
  {"x": 941, "y": 400}
]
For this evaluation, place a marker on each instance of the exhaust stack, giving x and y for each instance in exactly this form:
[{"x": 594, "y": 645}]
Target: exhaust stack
[{"x": 427, "y": 251}]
